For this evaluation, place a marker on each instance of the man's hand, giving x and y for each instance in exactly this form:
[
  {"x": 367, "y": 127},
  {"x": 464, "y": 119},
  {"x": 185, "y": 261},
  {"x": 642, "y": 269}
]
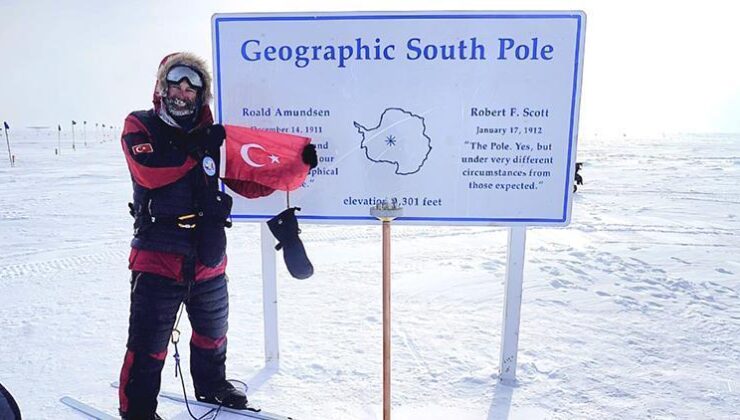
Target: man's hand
[
  {"x": 204, "y": 140},
  {"x": 210, "y": 137},
  {"x": 309, "y": 156}
]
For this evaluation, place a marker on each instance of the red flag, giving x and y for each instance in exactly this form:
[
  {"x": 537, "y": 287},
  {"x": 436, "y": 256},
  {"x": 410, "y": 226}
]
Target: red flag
[
  {"x": 265, "y": 157},
  {"x": 142, "y": 148}
]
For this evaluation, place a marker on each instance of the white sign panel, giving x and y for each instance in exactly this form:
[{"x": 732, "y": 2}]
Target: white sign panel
[{"x": 459, "y": 118}]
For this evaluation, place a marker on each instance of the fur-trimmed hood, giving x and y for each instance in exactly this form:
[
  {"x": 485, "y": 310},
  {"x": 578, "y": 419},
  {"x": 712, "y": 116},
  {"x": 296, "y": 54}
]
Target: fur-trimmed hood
[{"x": 187, "y": 59}]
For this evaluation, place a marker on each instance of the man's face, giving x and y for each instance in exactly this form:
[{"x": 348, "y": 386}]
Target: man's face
[
  {"x": 182, "y": 91},
  {"x": 181, "y": 100}
]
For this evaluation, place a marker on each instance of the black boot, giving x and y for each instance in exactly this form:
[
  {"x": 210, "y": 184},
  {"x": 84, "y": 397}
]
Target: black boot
[{"x": 226, "y": 395}]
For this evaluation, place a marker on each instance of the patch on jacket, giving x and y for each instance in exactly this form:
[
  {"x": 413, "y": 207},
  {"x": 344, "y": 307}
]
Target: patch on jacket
[
  {"x": 142, "y": 148},
  {"x": 209, "y": 166}
]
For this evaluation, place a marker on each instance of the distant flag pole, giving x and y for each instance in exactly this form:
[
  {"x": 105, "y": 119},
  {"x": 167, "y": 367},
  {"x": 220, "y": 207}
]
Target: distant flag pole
[
  {"x": 84, "y": 131},
  {"x": 59, "y": 139},
  {"x": 10, "y": 156},
  {"x": 73, "y": 134}
]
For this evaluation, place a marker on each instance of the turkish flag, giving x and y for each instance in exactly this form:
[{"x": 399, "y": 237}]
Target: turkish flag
[
  {"x": 142, "y": 148},
  {"x": 265, "y": 157}
]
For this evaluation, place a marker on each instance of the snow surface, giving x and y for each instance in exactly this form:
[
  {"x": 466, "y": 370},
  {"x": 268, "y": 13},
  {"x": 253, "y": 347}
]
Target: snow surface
[{"x": 630, "y": 312}]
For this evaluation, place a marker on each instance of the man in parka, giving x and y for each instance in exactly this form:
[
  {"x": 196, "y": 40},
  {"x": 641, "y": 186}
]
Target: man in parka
[{"x": 178, "y": 250}]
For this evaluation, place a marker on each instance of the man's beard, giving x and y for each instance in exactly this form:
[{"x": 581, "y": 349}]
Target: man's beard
[{"x": 177, "y": 107}]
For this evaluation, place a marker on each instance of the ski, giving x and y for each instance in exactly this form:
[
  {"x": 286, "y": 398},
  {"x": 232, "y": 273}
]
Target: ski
[
  {"x": 86, "y": 409},
  {"x": 250, "y": 412}
]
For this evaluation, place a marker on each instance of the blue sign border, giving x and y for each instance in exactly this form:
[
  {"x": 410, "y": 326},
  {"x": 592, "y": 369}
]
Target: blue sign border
[{"x": 579, "y": 24}]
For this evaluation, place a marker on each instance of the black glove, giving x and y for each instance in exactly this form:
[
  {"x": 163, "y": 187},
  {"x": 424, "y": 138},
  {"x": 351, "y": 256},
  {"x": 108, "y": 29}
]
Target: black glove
[
  {"x": 285, "y": 228},
  {"x": 204, "y": 140},
  {"x": 309, "y": 156}
]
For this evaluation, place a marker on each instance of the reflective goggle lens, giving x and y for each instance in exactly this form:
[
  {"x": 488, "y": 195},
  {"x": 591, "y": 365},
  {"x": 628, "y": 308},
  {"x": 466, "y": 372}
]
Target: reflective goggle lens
[{"x": 177, "y": 73}]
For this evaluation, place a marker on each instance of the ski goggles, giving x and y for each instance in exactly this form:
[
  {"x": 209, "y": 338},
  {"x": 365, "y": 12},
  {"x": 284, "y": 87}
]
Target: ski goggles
[{"x": 177, "y": 73}]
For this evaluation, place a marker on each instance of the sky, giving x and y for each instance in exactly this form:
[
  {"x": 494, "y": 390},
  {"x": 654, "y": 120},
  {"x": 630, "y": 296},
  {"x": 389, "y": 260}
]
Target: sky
[{"x": 657, "y": 66}]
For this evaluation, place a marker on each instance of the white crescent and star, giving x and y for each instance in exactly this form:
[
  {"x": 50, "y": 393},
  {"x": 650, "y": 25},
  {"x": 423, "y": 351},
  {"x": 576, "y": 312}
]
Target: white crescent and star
[{"x": 245, "y": 155}]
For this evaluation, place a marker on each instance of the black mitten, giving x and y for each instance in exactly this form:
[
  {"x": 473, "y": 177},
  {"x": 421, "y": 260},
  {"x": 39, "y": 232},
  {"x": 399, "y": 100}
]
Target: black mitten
[
  {"x": 309, "y": 157},
  {"x": 285, "y": 228},
  {"x": 204, "y": 140},
  {"x": 211, "y": 137}
]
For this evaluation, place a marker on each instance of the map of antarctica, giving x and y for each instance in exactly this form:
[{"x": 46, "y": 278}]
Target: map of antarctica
[{"x": 399, "y": 139}]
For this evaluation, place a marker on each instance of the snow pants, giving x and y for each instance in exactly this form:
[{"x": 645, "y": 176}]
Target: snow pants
[{"x": 155, "y": 301}]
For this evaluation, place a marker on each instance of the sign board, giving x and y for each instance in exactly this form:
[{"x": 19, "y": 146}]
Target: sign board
[{"x": 459, "y": 118}]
